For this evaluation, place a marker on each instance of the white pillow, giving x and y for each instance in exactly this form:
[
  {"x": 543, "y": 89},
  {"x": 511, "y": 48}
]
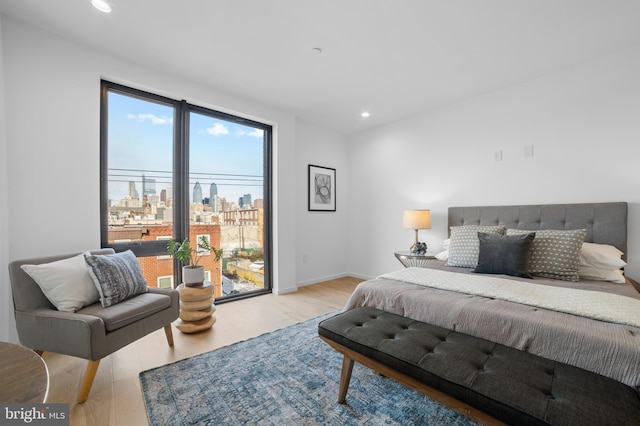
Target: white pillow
[
  {"x": 598, "y": 274},
  {"x": 66, "y": 283},
  {"x": 443, "y": 255},
  {"x": 601, "y": 256}
]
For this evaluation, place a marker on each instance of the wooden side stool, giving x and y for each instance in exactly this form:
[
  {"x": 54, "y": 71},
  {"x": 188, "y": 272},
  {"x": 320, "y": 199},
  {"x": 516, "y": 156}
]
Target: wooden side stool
[{"x": 196, "y": 308}]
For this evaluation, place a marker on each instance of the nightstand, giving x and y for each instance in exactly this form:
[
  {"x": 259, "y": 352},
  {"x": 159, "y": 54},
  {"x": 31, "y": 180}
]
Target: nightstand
[{"x": 407, "y": 259}]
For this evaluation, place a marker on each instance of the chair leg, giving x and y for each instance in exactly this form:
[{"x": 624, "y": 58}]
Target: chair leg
[
  {"x": 169, "y": 333},
  {"x": 89, "y": 375}
]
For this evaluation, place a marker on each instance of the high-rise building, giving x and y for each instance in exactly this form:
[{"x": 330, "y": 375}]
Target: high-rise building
[
  {"x": 215, "y": 203},
  {"x": 245, "y": 201},
  {"x": 169, "y": 196},
  {"x": 133, "y": 192},
  {"x": 148, "y": 186},
  {"x": 197, "y": 193},
  {"x": 213, "y": 193}
]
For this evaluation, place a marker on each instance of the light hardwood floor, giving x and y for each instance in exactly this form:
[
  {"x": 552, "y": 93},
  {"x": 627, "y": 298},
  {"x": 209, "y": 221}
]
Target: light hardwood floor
[{"x": 116, "y": 396}]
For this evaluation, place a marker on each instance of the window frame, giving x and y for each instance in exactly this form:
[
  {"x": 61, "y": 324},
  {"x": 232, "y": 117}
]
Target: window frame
[
  {"x": 180, "y": 179},
  {"x": 170, "y": 277}
]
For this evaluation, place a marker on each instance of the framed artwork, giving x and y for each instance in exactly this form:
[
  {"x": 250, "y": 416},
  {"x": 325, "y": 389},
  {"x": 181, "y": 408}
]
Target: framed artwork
[{"x": 322, "y": 189}]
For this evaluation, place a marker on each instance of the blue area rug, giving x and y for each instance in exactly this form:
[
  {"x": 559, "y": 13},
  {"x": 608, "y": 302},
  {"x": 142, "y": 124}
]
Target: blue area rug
[{"x": 287, "y": 377}]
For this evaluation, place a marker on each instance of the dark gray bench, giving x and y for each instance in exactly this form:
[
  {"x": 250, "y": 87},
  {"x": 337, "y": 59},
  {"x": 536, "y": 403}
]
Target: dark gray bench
[{"x": 485, "y": 381}]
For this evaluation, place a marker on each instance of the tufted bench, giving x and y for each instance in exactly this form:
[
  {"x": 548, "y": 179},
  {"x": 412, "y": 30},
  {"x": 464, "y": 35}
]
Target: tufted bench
[{"x": 485, "y": 381}]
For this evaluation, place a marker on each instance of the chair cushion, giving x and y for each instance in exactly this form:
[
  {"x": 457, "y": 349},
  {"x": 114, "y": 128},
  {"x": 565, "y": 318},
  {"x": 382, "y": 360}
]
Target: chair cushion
[{"x": 128, "y": 311}]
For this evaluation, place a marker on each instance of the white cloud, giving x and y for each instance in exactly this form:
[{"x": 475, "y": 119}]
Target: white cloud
[
  {"x": 151, "y": 117},
  {"x": 217, "y": 129},
  {"x": 256, "y": 133}
]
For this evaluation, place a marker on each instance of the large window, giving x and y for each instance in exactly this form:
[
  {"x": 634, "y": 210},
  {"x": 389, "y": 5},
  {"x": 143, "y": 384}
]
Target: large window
[{"x": 170, "y": 169}]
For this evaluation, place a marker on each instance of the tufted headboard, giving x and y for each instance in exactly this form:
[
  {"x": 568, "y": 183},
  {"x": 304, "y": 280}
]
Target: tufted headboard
[{"x": 606, "y": 223}]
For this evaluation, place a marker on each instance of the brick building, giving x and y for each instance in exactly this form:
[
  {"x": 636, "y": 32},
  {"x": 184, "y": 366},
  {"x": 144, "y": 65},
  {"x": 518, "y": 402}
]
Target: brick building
[{"x": 158, "y": 270}]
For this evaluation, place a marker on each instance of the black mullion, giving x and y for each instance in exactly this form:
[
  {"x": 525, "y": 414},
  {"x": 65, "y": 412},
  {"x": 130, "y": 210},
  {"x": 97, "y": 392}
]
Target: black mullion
[
  {"x": 104, "y": 195},
  {"x": 266, "y": 222},
  {"x": 181, "y": 181}
]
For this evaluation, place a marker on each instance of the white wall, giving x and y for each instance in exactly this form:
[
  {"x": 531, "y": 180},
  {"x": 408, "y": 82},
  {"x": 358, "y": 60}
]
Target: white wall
[
  {"x": 7, "y": 328},
  {"x": 52, "y": 133},
  {"x": 321, "y": 237},
  {"x": 584, "y": 124}
]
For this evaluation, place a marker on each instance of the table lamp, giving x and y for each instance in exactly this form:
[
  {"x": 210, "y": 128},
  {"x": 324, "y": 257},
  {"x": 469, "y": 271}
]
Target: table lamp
[{"x": 416, "y": 220}]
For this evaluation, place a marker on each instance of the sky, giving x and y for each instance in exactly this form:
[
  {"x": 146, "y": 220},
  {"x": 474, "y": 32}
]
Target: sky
[{"x": 140, "y": 137}]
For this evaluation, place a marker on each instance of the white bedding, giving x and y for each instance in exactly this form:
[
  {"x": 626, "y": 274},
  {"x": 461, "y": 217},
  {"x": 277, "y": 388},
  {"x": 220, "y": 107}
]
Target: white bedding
[{"x": 590, "y": 304}]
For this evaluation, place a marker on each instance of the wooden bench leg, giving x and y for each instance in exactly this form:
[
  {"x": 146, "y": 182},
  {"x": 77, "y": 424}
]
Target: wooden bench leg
[
  {"x": 345, "y": 378},
  {"x": 87, "y": 381},
  {"x": 169, "y": 333}
]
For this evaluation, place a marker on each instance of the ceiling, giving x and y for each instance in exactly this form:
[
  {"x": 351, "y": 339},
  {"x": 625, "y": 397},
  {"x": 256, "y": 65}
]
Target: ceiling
[{"x": 391, "y": 58}]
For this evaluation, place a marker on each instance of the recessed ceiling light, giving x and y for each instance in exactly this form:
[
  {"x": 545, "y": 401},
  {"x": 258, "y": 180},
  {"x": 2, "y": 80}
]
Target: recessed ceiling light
[
  {"x": 365, "y": 114},
  {"x": 101, "y": 5},
  {"x": 316, "y": 50}
]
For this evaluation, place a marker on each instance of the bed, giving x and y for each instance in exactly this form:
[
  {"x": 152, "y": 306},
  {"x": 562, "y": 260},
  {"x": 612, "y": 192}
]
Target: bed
[{"x": 591, "y": 324}]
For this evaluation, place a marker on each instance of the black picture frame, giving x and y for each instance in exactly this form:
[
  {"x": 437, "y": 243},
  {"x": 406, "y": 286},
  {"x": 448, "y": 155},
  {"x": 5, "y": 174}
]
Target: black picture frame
[{"x": 322, "y": 189}]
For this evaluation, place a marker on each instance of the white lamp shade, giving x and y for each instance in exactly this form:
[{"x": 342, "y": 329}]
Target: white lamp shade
[{"x": 416, "y": 219}]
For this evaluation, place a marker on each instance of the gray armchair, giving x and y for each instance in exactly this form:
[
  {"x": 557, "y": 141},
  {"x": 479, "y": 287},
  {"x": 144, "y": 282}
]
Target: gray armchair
[{"x": 92, "y": 332}]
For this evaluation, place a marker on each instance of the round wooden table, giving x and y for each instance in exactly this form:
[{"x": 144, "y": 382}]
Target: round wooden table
[{"x": 23, "y": 375}]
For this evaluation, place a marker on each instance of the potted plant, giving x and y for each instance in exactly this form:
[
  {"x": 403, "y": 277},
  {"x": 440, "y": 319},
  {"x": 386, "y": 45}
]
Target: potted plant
[{"x": 192, "y": 273}]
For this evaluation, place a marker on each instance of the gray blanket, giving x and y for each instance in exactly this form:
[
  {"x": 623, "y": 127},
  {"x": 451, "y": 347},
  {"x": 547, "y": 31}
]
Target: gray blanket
[{"x": 612, "y": 350}]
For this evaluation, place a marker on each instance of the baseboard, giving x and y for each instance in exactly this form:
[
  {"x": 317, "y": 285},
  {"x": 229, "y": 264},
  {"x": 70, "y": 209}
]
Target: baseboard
[
  {"x": 362, "y": 277},
  {"x": 331, "y": 277}
]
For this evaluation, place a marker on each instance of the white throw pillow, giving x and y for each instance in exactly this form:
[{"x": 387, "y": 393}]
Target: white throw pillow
[
  {"x": 602, "y": 256},
  {"x": 443, "y": 255},
  {"x": 598, "y": 274},
  {"x": 66, "y": 283}
]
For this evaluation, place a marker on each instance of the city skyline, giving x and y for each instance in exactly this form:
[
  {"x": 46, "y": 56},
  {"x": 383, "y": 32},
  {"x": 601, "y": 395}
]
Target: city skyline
[
  {"x": 204, "y": 196},
  {"x": 141, "y": 142}
]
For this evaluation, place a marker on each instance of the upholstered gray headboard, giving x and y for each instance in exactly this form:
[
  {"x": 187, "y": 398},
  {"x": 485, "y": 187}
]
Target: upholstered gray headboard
[{"x": 606, "y": 223}]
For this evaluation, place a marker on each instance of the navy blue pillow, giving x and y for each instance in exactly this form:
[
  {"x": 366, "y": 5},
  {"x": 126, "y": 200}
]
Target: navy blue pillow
[{"x": 504, "y": 254}]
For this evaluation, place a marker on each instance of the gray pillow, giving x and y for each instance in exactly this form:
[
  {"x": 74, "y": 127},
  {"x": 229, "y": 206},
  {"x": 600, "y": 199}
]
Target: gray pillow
[
  {"x": 502, "y": 254},
  {"x": 464, "y": 245},
  {"x": 116, "y": 276},
  {"x": 555, "y": 253}
]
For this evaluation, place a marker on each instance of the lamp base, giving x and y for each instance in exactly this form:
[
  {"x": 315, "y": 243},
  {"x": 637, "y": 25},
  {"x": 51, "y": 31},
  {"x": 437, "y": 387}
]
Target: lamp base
[{"x": 418, "y": 248}]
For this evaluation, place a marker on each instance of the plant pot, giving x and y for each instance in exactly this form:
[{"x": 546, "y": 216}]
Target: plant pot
[{"x": 193, "y": 276}]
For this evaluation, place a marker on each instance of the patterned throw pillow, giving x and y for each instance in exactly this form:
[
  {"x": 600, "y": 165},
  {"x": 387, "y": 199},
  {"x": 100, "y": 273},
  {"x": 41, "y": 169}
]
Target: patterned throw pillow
[
  {"x": 116, "y": 276},
  {"x": 555, "y": 253},
  {"x": 464, "y": 245}
]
